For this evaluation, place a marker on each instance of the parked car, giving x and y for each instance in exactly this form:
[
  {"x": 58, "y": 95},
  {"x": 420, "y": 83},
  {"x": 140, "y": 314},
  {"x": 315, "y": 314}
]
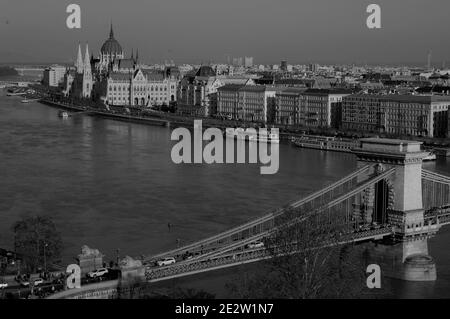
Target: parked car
[
  {"x": 3, "y": 285},
  {"x": 166, "y": 261},
  {"x": 97, "y": 273},
  {"x": 25, "y": 283},
  {"x": 188, "y": 257},
  {"x": 255, "y": 244}
]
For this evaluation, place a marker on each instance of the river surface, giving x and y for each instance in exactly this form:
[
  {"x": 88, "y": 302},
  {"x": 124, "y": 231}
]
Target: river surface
[{"x": 112, "y": 185}]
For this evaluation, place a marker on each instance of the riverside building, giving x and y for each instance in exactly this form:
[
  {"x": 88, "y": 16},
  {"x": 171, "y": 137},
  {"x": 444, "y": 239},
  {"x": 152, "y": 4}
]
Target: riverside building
[
  {"x": 309, "y": 107},
  {"x": 396, "y": 114}
]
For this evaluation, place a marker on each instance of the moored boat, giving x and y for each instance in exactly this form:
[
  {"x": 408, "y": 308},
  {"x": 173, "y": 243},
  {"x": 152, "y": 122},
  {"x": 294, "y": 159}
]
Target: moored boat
[
  {"x": 15, "y": 93},
  {"x": 430, "y": 157},
  {"x": 63, "y": 114},
  {"x": 29, "y": 100},
  {"x": 326, "y": 143},
  {"x": 253, "y": 135}
]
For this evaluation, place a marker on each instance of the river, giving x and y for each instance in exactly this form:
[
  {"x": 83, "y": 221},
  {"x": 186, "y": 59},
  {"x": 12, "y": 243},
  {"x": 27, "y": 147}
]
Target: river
[{"x": 112, "y": 185}]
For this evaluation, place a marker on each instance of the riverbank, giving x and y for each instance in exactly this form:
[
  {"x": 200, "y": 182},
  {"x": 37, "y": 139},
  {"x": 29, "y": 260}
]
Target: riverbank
[
  {"x": 105, "y": 114},
  {"x": 160, "y": 119}
]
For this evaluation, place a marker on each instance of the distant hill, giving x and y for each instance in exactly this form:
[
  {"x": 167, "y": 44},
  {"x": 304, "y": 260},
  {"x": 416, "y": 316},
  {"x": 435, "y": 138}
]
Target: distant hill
[{"x": 7, "y": 71}]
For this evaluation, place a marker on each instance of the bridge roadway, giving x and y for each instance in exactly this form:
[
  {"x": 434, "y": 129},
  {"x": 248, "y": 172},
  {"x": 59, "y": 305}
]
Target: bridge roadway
[
  {"x": 241, "y": 257},
  {"x": 438, "y": 216}
]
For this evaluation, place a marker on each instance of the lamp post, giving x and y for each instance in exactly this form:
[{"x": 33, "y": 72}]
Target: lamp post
[{"x": 45, "y": 258}]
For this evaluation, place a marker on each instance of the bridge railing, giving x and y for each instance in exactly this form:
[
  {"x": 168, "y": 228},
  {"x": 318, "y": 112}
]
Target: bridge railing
[
  {"x": 241, "y": 257},
  {"x": 435, "y": 189},
  {"x": 433, "y": 176}
]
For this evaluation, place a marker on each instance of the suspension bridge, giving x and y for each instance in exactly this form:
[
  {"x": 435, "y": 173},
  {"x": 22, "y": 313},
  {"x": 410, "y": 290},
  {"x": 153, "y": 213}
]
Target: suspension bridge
[{"x": 389, "y": 196}]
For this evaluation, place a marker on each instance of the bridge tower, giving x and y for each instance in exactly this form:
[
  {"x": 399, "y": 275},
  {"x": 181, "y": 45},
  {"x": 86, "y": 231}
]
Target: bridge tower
[{"x": 397, "y": 201}]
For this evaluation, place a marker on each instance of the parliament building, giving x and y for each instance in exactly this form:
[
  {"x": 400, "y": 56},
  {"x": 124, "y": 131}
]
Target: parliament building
[{"x": 119, "y": 81}]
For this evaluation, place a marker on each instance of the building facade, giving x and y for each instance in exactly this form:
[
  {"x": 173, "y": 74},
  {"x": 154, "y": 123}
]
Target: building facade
[
  {"x": 197, "y": 93},
  {"x": 309, "y": 107},
  {"x": 398, "y": 115},
  {"x": 140, "y": 88},
  {"x": 54, "y": 76},
  {"x": 252, "y": 103}
]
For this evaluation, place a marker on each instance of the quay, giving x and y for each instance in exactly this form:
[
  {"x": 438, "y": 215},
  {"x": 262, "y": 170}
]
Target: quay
[
  {"x": 105, "y": 114},
  {"x": 149, "y": 119}
]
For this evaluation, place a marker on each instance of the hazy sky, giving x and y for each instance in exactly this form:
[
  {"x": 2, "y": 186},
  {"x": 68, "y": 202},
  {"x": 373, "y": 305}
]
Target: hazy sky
[{"x": 300, "y": 31}]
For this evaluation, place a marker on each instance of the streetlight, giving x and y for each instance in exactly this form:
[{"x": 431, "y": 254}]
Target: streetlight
[{"x": 45, "y": 258}]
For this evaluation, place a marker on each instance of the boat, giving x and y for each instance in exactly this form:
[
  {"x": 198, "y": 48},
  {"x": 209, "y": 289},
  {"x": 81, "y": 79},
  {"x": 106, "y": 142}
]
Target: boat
[
  {"x": 326, "y": 143},
  {"x": 430, "y": 157},
  {"x": 29, "y": 100},
  {"x": 63, "y": 114},
  {"x": 265, "y": 137},
  {"x": 15, "y": 93},
  {"x": 252, "y": 135}
]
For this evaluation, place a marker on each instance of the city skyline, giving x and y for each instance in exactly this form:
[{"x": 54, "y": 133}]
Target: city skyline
[{"x": 200, "y": 31}]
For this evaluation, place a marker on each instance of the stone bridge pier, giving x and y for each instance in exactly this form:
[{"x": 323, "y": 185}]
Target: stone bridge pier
[{"x": 397, "y": 201}]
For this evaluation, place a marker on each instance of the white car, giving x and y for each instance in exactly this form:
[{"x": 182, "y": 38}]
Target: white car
[
  {"x": 166, "y": 261},
  {"x": 255, "y": 244},
  {"x": 98, "y": 273},
  {"x": 3, "y": 285},
  {"x": 38, "y": 281}
]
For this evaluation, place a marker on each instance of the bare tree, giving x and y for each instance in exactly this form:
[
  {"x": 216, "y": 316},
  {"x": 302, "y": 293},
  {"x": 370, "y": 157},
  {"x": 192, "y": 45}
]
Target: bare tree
[
  {"x": 306, "y": 262},
  {"x": 37, "y": 241}
]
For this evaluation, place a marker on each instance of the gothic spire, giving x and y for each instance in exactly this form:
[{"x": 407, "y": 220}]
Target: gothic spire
[
  {"x": 79, "y": 62},
  {"x": 111, "y": 32},
  {"x": 137, "y": 55},
  {"x": 87, "y": 62}
]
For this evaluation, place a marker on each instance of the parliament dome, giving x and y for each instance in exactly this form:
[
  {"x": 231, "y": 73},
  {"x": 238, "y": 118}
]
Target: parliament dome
[{"x": 111, "y": 46}]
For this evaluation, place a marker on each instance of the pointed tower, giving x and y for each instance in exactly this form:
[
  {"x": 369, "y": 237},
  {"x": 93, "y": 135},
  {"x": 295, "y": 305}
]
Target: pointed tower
[
  {"x": 79, "y": 62},
  {"x": 87, "y": 62},
  {"x": 111, "y": 32},
  {"x": 137, "y": 56},
  {"x": 87, "y": 75}
]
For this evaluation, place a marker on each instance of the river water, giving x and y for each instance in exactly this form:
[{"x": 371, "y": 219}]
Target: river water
[{"x": 112, "y": 185}]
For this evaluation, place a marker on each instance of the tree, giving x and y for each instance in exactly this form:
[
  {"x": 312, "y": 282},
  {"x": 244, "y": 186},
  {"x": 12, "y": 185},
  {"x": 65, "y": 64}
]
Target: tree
[
  {"x": 37, "y": 242},
  {"x": 306, "y": 262}
]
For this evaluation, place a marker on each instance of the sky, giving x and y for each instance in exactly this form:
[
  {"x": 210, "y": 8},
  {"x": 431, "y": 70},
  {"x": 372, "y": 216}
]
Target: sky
[{"x": 202, "y": 31}]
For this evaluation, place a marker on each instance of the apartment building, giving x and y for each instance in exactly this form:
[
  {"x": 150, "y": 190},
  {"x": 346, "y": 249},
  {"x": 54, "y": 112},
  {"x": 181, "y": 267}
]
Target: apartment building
[{"x": 412, "y": 115}]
